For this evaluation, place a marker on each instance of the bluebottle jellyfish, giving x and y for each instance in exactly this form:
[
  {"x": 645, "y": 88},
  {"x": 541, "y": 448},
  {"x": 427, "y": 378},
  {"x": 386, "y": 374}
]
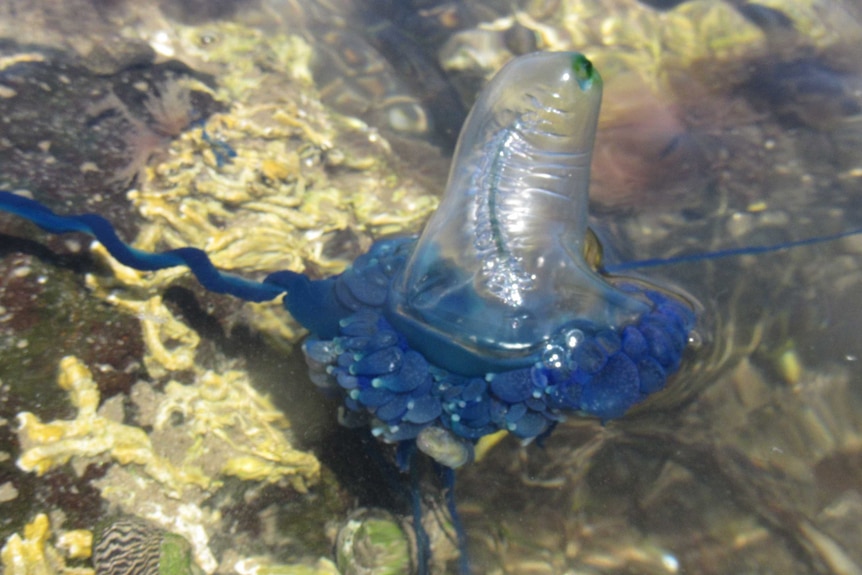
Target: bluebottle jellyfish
[
  {"x": 493, "y": 319},
  {"x": 499, "y": 316}
]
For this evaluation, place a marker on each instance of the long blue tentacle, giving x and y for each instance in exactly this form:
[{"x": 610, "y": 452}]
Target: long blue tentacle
[
  {"x": 731, "y": 252},
  {"x": 196, "y": 260},
  {"x": 448, "y": 476},
  {"x": 423, "y": 544}
]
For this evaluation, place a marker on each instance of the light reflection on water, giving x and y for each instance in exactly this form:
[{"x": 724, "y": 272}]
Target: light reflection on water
[{"x": 722, "y": 127}]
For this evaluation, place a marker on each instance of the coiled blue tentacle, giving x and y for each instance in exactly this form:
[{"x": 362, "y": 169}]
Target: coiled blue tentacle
[
  {"x": 356, "y": 350},
  {"x": 311, "y": 302},
  {"x": 100, "y": 228}
]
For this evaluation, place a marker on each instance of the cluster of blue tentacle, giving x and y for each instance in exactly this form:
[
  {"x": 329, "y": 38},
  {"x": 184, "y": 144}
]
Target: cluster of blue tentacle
[{"x": 381, "y": 377}]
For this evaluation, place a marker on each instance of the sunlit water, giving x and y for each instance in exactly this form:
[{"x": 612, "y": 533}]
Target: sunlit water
[{"x": 722, "y": 127}]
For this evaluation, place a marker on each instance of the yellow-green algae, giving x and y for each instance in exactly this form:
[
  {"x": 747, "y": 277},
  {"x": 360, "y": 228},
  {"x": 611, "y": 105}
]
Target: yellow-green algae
[
  {"x": 232, "y": 430},
  {"x": 227, "y": 429},
  {"x": 201, "y": 432},
  {"x": 34, "y": 554},
  {"x": 303, "y": 178}
]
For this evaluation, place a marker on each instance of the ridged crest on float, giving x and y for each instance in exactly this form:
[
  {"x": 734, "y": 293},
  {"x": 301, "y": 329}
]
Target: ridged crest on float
[{"x": 499, "y": 268}]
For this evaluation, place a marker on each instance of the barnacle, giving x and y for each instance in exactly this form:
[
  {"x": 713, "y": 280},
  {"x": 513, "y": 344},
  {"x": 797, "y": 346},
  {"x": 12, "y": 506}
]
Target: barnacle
[{"x": 372, "y": 541}]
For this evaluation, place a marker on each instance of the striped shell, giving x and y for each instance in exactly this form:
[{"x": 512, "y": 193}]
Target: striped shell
[{"x": 130, "y": 546}]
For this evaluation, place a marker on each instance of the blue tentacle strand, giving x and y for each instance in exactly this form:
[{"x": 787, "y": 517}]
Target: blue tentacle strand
[{"x": 101, "y": 229}]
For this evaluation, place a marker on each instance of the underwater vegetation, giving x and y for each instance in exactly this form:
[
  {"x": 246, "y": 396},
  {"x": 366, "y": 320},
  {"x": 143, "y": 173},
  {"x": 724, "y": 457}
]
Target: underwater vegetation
[
  {"x": 33, "y": 553},
  {"x": 215, "y": 428}
]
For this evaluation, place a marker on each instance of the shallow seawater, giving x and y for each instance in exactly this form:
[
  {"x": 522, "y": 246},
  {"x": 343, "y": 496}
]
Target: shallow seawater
[{"x": 292, "y": 134}]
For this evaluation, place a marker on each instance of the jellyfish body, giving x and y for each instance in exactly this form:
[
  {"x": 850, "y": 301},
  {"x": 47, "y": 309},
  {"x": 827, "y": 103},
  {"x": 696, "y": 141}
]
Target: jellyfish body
[
  {"x": 492, "y": 319},
  {"x": 598, "y": 369}
]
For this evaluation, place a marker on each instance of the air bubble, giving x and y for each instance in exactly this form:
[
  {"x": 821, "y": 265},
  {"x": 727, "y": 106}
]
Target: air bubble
[
  {"x": 554, "y": 356},
  {"x": 573, "y": 337},
  {"x": 695, "y": 339}
]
